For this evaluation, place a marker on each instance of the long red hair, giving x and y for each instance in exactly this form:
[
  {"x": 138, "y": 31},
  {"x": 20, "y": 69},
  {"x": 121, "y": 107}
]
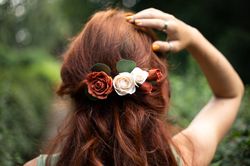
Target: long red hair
[{"x": 121, "y": 131}]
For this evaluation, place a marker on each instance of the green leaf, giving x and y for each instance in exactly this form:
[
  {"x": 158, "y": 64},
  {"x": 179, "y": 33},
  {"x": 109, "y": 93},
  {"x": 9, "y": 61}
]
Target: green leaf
[
  {"x": 125, "y": 65},
  {"x": 101, "y": 67}
]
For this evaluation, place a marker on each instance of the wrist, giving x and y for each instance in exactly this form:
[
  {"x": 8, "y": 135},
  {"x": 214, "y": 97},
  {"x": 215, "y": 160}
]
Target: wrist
[{"x": 195, "y": 39}]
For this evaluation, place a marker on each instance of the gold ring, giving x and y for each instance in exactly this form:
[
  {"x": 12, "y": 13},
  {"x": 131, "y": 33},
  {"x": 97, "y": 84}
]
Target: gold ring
[
  {"x": 165, "y": 26},
  {"x": 170, "y": 46}
]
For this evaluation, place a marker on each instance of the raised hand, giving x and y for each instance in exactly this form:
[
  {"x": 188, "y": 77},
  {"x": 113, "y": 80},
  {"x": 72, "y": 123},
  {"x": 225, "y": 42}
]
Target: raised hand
[{"x": 180, "y": 34}]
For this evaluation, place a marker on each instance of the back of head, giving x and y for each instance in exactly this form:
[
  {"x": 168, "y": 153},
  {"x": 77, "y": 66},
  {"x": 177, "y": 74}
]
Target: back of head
[{"x": 120, "y": 130}]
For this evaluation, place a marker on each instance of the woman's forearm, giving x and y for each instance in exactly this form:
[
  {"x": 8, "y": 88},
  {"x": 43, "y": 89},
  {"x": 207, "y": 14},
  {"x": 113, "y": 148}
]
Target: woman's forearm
[
  {"x": 216, "y": 117},
  {"x": 222, "y": 78}
]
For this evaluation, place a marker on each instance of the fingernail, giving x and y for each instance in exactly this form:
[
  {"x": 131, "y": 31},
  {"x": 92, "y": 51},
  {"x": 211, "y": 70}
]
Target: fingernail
[
  {"x": 137, "y": 22},
  {"x": 155, "y": 47},
  {"x": 129, "y": 19}
]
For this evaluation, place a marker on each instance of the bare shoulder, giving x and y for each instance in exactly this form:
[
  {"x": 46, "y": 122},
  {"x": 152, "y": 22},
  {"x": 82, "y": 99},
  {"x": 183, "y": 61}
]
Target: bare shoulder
[
  {"x": 192, "y": 150},
  {"x": 185, "y": 147},
  {"x": 32, "y": 162}
]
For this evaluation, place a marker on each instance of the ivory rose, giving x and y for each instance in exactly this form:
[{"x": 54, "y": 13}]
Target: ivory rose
[
  {"x": 99, "y": 84},
  {"x": 124, "y": 83},
  {"x": 139, "y": 76}
]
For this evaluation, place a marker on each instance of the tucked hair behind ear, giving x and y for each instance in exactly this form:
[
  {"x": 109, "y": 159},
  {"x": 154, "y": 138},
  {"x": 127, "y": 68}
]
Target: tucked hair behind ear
[{"x": 121, "y": 131}]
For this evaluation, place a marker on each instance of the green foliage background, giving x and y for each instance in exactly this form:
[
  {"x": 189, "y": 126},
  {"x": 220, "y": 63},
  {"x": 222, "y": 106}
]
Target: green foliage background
[
  {"x": 190, "y": 92},
  {"x": 33, "y": 33},
  {"x": 26, "y": 85}
]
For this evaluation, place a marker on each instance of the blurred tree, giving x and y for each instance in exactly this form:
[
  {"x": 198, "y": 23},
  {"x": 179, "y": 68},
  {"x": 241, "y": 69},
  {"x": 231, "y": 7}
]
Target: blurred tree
[
  {"x": 29, "y": 31},
  {"x": 32, "y": 23}
]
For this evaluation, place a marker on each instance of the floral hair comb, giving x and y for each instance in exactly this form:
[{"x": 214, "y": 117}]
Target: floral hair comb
[{"x": 130, "y": 78}]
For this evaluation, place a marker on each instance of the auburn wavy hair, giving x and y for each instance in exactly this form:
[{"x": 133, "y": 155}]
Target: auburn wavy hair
[{"x": 123, "y": 131}]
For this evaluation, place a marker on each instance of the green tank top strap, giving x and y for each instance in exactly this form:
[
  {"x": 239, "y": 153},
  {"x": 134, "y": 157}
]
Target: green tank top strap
[
  {"x": 41, "y": 160},
  {"x": 177, "y": 157}
]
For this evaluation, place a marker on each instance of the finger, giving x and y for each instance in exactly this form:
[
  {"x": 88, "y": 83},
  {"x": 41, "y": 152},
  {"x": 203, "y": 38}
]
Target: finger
[
  {"x": 149, "y": 13},
  {"x": 162, "y": 25},
  {"x": 166, "y": 46}
]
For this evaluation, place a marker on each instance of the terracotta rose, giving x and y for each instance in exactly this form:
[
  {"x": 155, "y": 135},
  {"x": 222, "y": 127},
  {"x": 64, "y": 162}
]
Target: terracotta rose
[
  {"x": 154, "y": 75},
  {"x": 99, "y": 84},
  {"x": 146, "y": 88}
]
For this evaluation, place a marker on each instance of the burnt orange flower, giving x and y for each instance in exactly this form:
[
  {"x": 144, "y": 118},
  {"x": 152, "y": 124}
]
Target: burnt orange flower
[
  {"x": 99, "y": 84},
  {"x": 154, "y": 75},
  {"x": 146, "y": 88}
]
